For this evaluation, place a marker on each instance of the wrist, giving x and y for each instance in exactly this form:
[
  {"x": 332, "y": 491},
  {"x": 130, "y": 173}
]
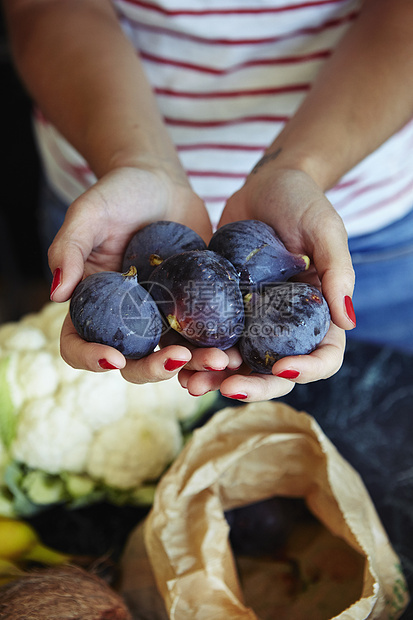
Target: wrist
[
  {"x": 164, "y": 165},
  {"x": 280, "y": 157},
  {"x": 129, "y": 146}
]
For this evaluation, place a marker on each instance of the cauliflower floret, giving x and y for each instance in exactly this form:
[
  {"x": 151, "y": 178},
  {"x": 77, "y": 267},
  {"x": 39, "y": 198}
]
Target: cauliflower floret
[
  {"x": 53, "y": 315},
  {"x": 167, "y": 397},
  {"x": 49, "y": 320},
  {"x": 78, "y": 425},
  {"x": 97, "y": 398},
  {"x": 51, "y": 437},
  {"x": 134, "y": 450},
  {"x": 66, "y": 373},
  {"x": 16, "y": 337},
  {"x": 30, "y": 375}
]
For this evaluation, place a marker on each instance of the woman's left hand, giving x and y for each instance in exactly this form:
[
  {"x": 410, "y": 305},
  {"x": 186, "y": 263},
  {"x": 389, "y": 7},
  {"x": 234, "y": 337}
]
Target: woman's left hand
[{"x": 297, "y": 209}]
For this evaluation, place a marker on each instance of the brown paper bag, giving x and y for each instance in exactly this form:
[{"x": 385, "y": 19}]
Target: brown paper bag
[{"x": 243, "y": 455}]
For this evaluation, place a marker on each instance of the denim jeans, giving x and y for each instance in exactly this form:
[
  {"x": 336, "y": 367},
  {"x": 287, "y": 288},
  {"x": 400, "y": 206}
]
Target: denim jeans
[
  {"x": 383, "y": 262},
  {"x": 383, "y": 295}
]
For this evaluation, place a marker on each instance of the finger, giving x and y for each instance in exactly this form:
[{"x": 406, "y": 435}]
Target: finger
[
  {"x": 203, "y": 358},
  {"x": 199, "y": 383},
  {"x": 87, "y": 355},
  {"x": 208, "y": 359},
  {"x": 70, "y": 249},
  {"x": 332, "y": 260},
  {"x": 254, "y": 387},
  {"x": 158, "y": 366},
  {"x": 322, "y": 363},
  {"x": 234, "y": 358},
  {"x": 183, "y": 377}
]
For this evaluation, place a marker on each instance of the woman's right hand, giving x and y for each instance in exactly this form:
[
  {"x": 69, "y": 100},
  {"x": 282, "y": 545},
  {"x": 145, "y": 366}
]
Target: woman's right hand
[{"x": 94, "y": 236}]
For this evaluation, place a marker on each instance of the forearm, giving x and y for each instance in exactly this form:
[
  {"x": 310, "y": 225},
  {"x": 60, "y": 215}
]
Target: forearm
[
  {"x": 87, "y": 79},
  {"x": 361, "y": 97}
]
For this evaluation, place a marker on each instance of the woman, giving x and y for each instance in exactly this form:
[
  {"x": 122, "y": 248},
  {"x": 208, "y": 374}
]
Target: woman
[{"x": 296, "y": 114}]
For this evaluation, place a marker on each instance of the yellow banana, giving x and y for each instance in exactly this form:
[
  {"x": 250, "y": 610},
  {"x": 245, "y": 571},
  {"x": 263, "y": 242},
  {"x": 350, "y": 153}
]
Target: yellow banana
[{"x": 20, "y": 542}]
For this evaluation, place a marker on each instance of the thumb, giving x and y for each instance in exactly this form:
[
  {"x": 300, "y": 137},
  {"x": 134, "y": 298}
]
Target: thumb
[
  {"x": 68, "y": 253},
  {"x": 333, "y": 263}
]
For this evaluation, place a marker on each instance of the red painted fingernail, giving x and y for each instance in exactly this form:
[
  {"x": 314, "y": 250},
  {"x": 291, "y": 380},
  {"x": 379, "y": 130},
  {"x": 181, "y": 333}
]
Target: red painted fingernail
[
  {"x": 105, "y": 365},
  {"x": 240, "y": 396},
  {"x": 213, "y": 369},
  {"x": 288, "y": 374},
  {"x": 349, "y": 308},
  {"x": 174, "y": 364},
  {"x": 198, "y": 395},
  {"x": 57, "y": 279}
]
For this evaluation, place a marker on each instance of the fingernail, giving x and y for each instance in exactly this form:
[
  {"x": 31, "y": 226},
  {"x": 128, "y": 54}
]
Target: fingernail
[
  {"x": 213, "y": 369},
  {"x": 105, "y": 365},
  {"x": 349, "y": 309},
  {"x": 198, "y": 395},
  {"x": 235, "y": 367},
  {"x": 174, "y": 364},
  {"x": 288, "y": 374},
  {"x": 240, "y": 396},
  {"x": 57, "y": 279}
]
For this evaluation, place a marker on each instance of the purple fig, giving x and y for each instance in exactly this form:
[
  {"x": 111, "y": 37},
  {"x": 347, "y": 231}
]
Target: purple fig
[{"x": 257, "y": 253}]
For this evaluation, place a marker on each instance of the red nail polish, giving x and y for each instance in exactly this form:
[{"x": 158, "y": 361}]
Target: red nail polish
[
  {"x": 198, "y": 395},
  {"x": 288, "y": 374},
  {"x": 348, "y": 304},
  {"x": 105, "y": 365},
  {"x": 240, "y": 396},
  {"x": 57, "y": 279},
  {"x": 174, "y": 364},
  {"x": 213, "y": 369}
]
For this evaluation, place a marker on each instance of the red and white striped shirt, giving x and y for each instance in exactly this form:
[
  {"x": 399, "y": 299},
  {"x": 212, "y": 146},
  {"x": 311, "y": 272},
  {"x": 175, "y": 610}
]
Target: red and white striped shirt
[{"x": 227, "y": 77}]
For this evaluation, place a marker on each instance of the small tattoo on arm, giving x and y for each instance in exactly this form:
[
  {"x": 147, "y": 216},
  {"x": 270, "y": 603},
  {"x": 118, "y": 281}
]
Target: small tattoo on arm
[{"x": 264, "y": 160}]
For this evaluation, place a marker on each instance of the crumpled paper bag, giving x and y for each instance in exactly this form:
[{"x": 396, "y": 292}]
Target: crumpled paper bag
[{"x": 244, "y": 455}]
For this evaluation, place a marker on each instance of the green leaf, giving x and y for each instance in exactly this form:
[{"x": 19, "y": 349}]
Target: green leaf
[
  {"x": 6, "y": 503},
  {"x": 78, "y": 486},
  {"x": 8, "y": 417},
  {"x": 42, "y": 488},
  {"x": 13, "y": 478},
  {"x": 144, "y": 495}
]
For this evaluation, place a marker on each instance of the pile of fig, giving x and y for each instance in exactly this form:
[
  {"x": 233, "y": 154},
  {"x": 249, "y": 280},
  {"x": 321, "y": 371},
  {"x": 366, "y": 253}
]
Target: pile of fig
[{"x": 235, "y": 290}]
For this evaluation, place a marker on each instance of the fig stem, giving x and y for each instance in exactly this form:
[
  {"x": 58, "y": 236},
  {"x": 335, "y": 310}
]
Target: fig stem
[
  {"x": 155, "y": 260},
  {"x": 174, "y": 323},
  {"x": 132, "y": 271}
]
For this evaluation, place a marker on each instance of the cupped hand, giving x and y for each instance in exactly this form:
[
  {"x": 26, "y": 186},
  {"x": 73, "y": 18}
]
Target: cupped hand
[
  {"x": 292, "y": 203},
  {"x": 93, "y": 237}
]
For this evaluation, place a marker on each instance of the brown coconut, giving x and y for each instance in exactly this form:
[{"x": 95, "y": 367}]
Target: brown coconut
[{"x": 61, "y": 593}]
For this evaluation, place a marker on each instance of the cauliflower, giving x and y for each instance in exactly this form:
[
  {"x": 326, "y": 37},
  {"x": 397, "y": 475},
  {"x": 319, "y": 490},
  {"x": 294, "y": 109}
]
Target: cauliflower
[
  {"x": 96, "y": 402},
  {"x": 149, "y": 443},
  {"x": 22, "y": 338},
  {"x": 74, "y": 436},
  {"x": 30, "y": 375},
  {"x": 51, "y": 438}
]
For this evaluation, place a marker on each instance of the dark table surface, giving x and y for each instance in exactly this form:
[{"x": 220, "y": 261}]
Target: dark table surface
[{"x": 366, "y": 411}]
